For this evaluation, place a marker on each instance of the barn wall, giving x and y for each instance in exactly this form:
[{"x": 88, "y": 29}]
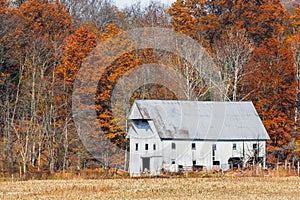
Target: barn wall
[
  {"x": 143, "y": 136},
  {"x": 135, "y": 164},
  {"x": 184, "y": 155}
]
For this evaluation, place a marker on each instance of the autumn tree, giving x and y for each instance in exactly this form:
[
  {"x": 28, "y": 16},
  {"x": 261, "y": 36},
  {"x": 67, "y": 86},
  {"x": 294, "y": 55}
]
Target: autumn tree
[
  {"x": 273, "y": 86},
  {"x": 295, "y": 47},
  {"x": 110, "y": 77},
  {"x": 44, "y": 43},
  {"x": 34, "y": 32},
  {"x": 76, "y": 49},
  {"x": 275, "y": 78},
  {"x": 268, "y": 74}
]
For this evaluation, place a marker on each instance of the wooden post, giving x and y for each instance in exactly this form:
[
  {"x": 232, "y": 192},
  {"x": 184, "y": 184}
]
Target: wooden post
[
  {"x": 186, "y": 172},
  {"x": 298, "y": 168},
  {"x": 285, "y": 164},
  {"x": 126, "y": 130}
]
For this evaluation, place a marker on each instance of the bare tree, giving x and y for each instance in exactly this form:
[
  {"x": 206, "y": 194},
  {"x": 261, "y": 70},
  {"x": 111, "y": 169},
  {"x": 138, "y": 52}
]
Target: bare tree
[
  {"x": 233, "y": 52},
  {"x": 98, "y": 12},
  {"x": 188, "y": 78},
  {"x": 155, "y": 15}
]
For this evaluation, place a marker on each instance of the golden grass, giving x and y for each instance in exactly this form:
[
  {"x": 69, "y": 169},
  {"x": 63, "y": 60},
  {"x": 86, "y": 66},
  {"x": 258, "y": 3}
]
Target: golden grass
[{"x": 155, "y": 188}]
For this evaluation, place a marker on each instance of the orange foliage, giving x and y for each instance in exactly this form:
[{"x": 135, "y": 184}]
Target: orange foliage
[
  {"x": 41, "y": 18},
  {"x": 77, "y": 47},
  {"x": 38, "y": 37},
  {"x": 269, "y": 78},
  {"x": 272, "y": 83}
]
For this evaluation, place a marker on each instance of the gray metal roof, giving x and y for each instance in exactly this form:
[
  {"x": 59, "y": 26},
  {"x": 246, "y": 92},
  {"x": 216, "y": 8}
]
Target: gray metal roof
[{"x": 201, "y": 120}]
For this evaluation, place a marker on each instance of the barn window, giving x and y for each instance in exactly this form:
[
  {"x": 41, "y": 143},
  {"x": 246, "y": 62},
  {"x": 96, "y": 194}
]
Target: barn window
[
  {"x": 173, "y": 146},
  {"x": 194, "y": 162},
  {"x": 193, "y": 146},
  {"x": 136, "y": 146},
  {"x": 146, "y": 146},
  {"x": 255, "y": 149},
  {"x": 234, "y": 146},
  {"x": 142, "y": 124},
  {"x": 173, "y": 162},
  {"x": 214, "y": 147},
  {"x": 254, "y": 146},
  {"x": 154, "y": 147},
  {"x": 216, "y": 163}
]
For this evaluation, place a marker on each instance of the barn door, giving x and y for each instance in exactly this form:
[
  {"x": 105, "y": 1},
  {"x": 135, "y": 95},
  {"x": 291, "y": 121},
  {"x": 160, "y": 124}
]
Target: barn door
[{"x": 146, "y": 164}]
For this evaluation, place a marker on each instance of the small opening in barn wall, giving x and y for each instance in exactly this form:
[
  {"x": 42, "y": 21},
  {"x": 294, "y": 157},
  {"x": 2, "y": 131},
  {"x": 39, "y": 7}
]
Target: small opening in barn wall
[
  {"x": 146, "y": 146},
  {"x": 214, "y": 147},
  {"x": 194, "y": 162},
  {"x": 146, "y": 164},
  {"x": 173, "y": 162},
  {"x": 173, "y": 145},
  {"x": 136, "y": 146},
  {"x": 193, "y": 146},
  {"x": 142, "y": 124},
  {"x": 154, "y": 147},
  {"x": 235, "y": 162},
  {"x": 254, "y": 146},
  {"x": 234, "y": 146},
  {"x": 216, "y": 162}
]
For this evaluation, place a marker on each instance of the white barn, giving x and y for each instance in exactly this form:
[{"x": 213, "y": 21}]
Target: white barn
[{"x": 175, "y": 135}]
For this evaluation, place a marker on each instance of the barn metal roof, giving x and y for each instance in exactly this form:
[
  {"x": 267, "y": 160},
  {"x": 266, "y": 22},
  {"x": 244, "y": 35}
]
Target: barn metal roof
[{"x": 201, "y": 119}]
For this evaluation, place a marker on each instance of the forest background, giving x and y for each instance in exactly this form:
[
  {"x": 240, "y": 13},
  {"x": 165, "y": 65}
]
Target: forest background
[{"x": 254, "y": 44}]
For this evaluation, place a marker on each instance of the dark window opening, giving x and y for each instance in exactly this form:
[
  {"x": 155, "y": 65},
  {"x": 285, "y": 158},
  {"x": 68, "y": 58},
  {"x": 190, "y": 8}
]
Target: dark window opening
[
  {"x": 254, "y": 146},
  {"x": 141, "y": 123},
  {"x": 194, "y": 162},
  {"x": 146, "y": 164},
  {"x": 214, "y": 147},
  {"x": 235, "y": 162},
  {"x": 136, "y": 146},
  {"x": 193, "y": 146},
  {"x": 234, "y": 146},
  {"x": 173, "y": 146},
  {"x": 216, "y": 162},
  {"x": 173, "y": 162},
  {"x": 154, "y": 147},
  {"x": 198, "y": 168},
  {"x": 146, "y": 146}
]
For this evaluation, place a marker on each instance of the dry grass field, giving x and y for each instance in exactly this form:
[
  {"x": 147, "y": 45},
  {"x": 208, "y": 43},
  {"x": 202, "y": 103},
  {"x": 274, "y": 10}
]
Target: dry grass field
[{"x": 155, "y": 188}]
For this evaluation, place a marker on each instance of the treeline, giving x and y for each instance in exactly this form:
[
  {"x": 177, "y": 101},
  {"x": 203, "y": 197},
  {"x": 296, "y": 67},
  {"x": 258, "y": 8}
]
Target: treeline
[{"x": 254, "y": 44}]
